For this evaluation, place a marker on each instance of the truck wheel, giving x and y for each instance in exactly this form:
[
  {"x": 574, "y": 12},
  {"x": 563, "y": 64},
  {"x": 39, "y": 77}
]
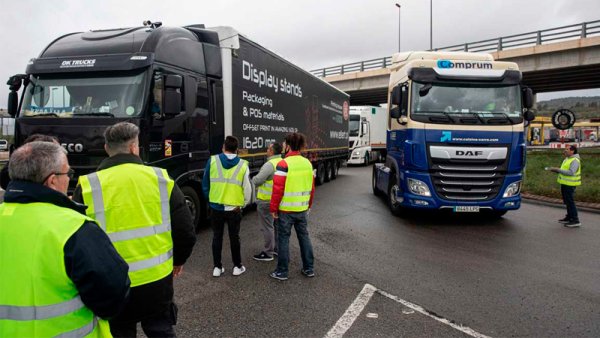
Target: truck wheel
[
  {"x": 193, "y": 203},
  {"x": 367, "y": 159},
  {"x": 376, "y": 191},
  {"x": 335, "y": 167},
  {"x": 320, "y": 174},
  {"x": 327, "y": 175},
  {"x": 393, "y": 204}
]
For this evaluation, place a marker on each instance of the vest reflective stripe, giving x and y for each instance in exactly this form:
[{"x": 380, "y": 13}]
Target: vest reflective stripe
[
  {"x": 98, "y": 202},
  {"x": 226, "y": 185},
  {"x": 265, "y": 190},
  {"x": 40, "y": 312},
  {"x": 126, "y": 235},
  {"x": 566, "y": 179},
  {"x": 298, "y": 185},
  {"x": 150, "y": 262},
  {"x": 134, "y": 200},
  {"x": 80, "y": 332},
  {"x": 37, "y": 298}
]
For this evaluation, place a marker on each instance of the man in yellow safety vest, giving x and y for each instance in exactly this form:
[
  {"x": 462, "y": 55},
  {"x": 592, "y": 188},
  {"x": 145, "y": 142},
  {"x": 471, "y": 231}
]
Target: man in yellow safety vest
[
  {"x": 60, "y": 273},
  {"x": 146, "y": 217},
  {"x": 226, "y": 185},
  {"x": 263, "y": 182},
  {"x": 293, "y": 191},
  {"x": 569, "y": 178}
]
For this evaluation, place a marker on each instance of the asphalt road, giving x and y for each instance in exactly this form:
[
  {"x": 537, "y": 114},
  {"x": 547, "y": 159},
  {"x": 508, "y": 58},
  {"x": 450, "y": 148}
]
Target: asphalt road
[{"x": 523, "y": 275}]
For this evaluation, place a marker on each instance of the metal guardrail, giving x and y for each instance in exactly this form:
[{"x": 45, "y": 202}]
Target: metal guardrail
[{"x": 558, "y": 34}]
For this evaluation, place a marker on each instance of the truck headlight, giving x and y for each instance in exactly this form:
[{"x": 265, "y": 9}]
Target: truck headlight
[
  {"x": 512, "y": 189},
  {"x": 356, "y": 152},
  {"x": 418, "y": 187}
]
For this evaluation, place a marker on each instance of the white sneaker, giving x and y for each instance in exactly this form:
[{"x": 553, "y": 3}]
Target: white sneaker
[
  {"x": 238, "y": 271},
  {"x": 218, "y": 271}
]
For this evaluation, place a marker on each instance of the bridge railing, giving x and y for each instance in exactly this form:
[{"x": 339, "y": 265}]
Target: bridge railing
[{"x": 558, "y": 34}]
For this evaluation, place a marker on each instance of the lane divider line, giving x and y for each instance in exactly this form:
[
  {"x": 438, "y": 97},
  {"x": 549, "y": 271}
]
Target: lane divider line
[
  {"x": 352, "y": 312},
  {"x": 360, "y": 302},
  {"x": 464, "y": 329}
]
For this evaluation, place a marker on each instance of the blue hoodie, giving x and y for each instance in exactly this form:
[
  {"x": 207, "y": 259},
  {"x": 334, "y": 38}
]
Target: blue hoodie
[{"x": 227, "y": 164}]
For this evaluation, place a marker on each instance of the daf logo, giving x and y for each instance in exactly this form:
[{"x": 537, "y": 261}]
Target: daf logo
[
  {"x": 469, "y": 153},
  {"x": 73, "y": 147}
]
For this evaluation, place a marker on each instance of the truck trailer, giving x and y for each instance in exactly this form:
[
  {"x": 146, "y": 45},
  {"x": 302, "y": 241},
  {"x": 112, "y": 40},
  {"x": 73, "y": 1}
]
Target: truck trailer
[
  {"x": 186, "y": 88},
  {"x": 456, "y": 134},
  {"x": 367, "y": 132}
]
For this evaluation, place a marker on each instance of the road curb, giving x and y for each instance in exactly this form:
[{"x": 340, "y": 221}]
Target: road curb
[{"x": 554, "y": 202}]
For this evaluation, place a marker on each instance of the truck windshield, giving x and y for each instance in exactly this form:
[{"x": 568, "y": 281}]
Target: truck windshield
[
  {"x": 353, "y": 125},
  {"x": 466, "y": 104},
  {"x": 68, "y": 97}
]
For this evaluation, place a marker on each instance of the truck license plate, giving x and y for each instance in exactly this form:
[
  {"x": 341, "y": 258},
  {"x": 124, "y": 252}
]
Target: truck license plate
[{"x": 466, "y": 208}]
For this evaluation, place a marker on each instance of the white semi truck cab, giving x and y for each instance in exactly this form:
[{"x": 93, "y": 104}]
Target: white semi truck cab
[{"x": 367, "y": 131}]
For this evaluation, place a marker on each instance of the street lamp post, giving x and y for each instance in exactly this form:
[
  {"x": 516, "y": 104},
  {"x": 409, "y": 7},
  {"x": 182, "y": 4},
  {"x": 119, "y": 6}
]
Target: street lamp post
[{"x": 399, "y": 7}]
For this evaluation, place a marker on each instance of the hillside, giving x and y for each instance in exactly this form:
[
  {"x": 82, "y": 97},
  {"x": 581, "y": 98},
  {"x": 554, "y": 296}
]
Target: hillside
[{"x": 584, "y": 107}]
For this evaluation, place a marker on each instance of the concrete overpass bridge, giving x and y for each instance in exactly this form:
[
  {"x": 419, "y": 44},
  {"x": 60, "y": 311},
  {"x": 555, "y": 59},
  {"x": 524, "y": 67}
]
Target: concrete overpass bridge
[{"x": 557, "y": 59}]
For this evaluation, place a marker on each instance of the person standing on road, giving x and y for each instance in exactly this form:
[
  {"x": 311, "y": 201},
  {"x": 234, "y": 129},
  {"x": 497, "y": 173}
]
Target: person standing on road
[
  {"x": 226, "y": 185},
  {"x": 4, "y": 177},
  {"x": 569, "y": 177},
  {"x": 293, "y": 192},
  {"x": 60, "y": 272},
  {"x": 263, "y": 182},
  {"x": 145, "y": 215}
]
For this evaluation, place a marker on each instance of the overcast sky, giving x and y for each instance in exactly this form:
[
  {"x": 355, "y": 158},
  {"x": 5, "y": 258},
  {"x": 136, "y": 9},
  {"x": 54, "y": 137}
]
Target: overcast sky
[{"x": 310, "y": 33}]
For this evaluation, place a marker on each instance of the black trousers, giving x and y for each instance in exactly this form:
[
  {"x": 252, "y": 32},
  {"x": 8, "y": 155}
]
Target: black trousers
[
  {"x": 156, "y": 326},
  {"x": 568, "y": 196},
  {"x": 217, "y": 221}
]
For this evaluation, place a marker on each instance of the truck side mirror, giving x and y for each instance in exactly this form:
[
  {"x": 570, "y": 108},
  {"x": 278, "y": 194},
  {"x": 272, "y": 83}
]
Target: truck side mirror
[
  {"x": 527, "y": 97},
  {"x": 397, "y": 95},
  {"x": 13, "y": 103},
  {"x": 172, "y": 97}
]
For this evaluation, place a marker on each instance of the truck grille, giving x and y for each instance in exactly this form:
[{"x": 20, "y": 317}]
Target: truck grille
[{"x": 468, "y": 180}]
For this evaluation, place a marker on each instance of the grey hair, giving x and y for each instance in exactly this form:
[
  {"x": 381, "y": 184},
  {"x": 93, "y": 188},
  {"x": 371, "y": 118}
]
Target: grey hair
[
  {"x": 119, "y": 136},
  {"x": 35, "y": 161}
]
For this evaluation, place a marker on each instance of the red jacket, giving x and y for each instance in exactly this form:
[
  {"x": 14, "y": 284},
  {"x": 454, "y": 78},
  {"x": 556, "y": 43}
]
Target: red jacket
[{"x": 279, "y": 179}]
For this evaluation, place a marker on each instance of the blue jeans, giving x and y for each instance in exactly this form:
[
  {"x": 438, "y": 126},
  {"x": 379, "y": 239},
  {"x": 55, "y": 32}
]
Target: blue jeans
[{"x": 284, "y": 229}]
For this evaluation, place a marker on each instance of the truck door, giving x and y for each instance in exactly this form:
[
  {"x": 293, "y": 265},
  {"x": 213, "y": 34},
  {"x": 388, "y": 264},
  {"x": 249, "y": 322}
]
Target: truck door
[{"x": 216, "y": 115}]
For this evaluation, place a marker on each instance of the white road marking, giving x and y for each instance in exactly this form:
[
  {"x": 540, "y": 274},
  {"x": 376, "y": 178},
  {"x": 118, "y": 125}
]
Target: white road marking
[{"x": 354, "y": 310}]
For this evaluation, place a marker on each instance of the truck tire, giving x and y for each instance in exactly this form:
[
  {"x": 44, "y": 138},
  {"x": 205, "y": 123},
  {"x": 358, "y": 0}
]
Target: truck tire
[
  {"x": 335, "y": 167},
  {"x": 194, "y": 204},
  {"x": 327, "y": 175},
  {"x": 320, "y": 178},
  {"x": 393, "y": 204},
  {"x": 376, "y": 191}
]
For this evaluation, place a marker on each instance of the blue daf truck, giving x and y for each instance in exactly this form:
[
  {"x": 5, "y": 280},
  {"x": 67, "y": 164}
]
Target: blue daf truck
[{"x": 455, "y": 136}]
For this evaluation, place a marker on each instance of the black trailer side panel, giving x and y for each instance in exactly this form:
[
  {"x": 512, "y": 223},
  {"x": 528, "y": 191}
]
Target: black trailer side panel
[{"x": 272, "y": 97}]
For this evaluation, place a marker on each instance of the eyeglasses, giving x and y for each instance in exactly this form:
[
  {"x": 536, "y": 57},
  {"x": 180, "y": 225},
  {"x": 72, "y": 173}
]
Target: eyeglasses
[{"x": 69, "y": 173}]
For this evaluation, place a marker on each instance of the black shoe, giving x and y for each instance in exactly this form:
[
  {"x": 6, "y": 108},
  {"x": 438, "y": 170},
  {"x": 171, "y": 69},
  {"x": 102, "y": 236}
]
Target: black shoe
[
  {"x": 275, "y": 253},
  {"x": 263, "y": 257},
  {"x": 564, "y": 220},
  {"x": 278, "y": 275},
  {"x": 573, "y": 224},
  {"x": 308, "y": 273}
]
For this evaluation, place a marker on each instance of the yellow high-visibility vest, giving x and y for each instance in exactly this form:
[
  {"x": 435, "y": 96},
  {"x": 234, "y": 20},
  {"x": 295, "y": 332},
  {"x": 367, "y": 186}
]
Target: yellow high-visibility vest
[
  {"x": 298, "y": 184},
  {"x": 227, "y": 185},
  {"x": 37, "y": 297},
  {"x": 131, "y": 203},
  {"x": 265, "y": 190},
  {"x": 569, "y": 180}
]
